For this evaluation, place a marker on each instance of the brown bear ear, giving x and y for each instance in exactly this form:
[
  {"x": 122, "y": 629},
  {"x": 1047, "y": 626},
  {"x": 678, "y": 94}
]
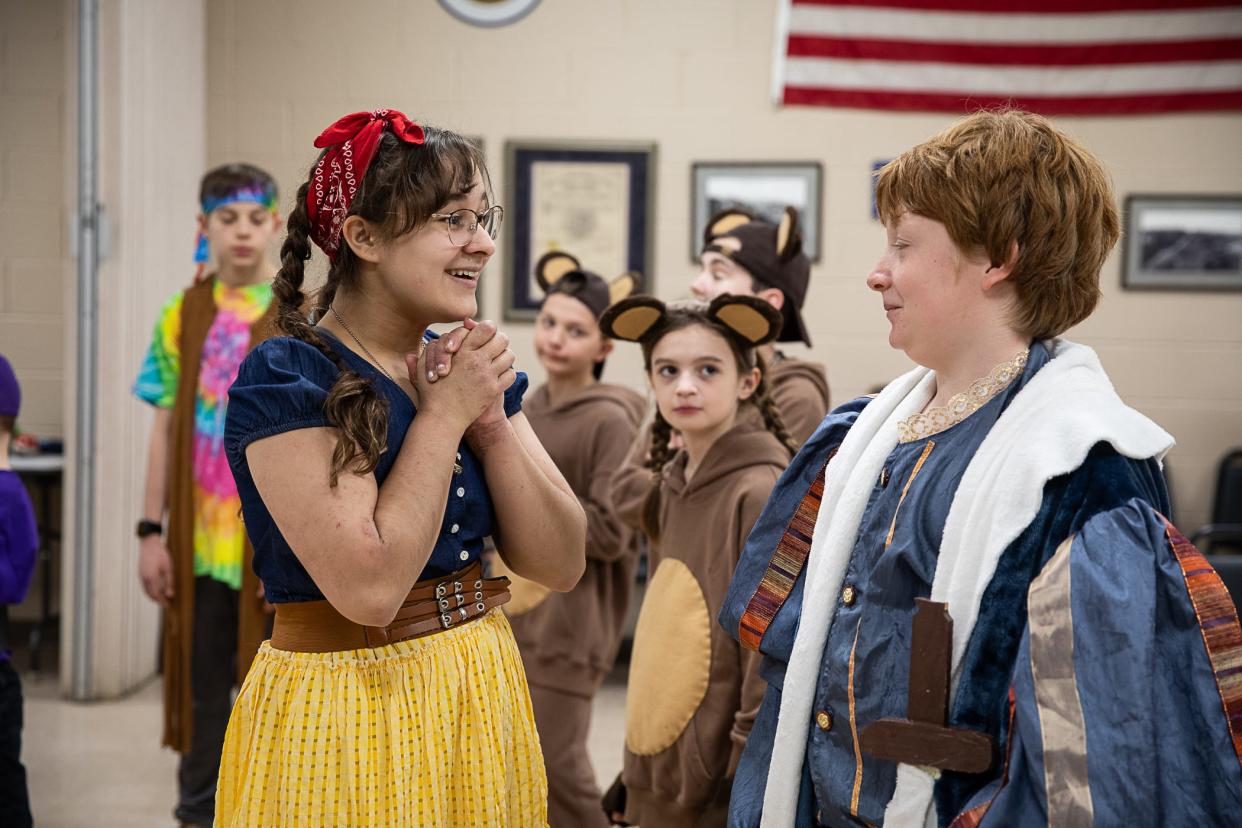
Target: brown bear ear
[
  {"x": 552, "y": 266},
  {"x": 724, "y": 221},
  {"x": 788, "y": 235},
  {"x": 633, "y": 318},
  {"x": 623, "y": 286},
  {"x": 751, "y": 318}
]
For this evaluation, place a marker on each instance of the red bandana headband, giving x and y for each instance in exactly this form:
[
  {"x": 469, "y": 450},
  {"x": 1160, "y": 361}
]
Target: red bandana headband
[{"x": 351, "y": 143}]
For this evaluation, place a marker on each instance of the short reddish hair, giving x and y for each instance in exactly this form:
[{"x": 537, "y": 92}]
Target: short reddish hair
[{"x": 999, "y": 177}]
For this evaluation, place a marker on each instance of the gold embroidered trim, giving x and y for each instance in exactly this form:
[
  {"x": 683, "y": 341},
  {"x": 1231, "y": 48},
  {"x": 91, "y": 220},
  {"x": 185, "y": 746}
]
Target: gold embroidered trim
[
  {"x": 858, "y": 758},
  {"x": 918, "y": 467},
  {"x": 960, "y": 406}
]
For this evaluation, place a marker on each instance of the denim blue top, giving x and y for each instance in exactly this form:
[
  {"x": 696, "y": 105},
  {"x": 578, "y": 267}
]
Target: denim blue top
[
  {"x": 886, "y": 577},
  {"x": 281, "y": 386}
]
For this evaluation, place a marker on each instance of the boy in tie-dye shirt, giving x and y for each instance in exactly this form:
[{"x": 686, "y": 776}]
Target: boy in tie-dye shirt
[
  {"x": 219, "y": 318},
  {"x": 219, "y": 536}
]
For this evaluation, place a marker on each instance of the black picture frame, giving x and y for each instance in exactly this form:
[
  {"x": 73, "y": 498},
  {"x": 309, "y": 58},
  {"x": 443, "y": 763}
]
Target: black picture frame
[
  {"x": 1182, "y": 242},
  {"x": 715, "y": 185},
  {"x": 522, "y": 298}
]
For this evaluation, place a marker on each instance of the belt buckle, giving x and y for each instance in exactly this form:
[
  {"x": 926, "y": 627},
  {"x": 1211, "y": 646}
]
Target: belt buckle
[
  {"x": 442, "y": 588},
  {"x": 447, "y": 620},
  {"x": 444, "y": 603}
]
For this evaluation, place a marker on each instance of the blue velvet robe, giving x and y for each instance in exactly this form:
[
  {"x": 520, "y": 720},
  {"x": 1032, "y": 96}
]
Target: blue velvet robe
[{"x": 1159, "y": 749}]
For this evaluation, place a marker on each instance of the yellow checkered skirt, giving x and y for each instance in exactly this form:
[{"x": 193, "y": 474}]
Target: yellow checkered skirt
[{"x": 435, "y": 731}]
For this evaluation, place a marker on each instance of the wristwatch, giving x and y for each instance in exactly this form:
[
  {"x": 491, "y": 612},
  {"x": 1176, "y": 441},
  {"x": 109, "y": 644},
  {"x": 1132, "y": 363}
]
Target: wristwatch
[{"x": 146, "y": 528}]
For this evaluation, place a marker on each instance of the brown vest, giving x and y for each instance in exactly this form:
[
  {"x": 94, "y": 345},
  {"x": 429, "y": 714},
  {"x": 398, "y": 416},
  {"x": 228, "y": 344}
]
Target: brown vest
[{"x": 198, "y": 311}]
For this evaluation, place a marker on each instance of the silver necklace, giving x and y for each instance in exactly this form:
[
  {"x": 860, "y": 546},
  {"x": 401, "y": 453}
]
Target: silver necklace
[
  {"x": 364, "y": 348},
  {"x": 457, "y": 467}
]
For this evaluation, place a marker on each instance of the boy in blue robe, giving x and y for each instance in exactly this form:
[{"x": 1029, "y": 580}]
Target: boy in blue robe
[{"x": 1003, "y": 477}]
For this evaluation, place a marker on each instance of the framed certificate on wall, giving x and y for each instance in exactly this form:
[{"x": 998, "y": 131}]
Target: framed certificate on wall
[{"x": 594, "y": 200}]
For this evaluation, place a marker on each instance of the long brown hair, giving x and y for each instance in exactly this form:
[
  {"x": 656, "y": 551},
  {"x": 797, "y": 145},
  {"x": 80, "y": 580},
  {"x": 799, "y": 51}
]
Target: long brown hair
[
  {"x": 403, "y": 186},
  {"x": 678, "y": 317}
]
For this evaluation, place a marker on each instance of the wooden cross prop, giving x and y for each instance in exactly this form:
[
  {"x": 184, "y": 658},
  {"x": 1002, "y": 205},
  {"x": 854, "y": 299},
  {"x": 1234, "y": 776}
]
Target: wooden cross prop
[{"x": 923, "y": 738}]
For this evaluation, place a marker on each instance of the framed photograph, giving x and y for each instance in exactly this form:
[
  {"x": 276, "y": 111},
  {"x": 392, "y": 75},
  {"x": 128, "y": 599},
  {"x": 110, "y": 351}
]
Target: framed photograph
[
  {"x": 1182, "y": 242},
  {"x": 764, "y": 188},
  {"x": 594, "y": 200}
]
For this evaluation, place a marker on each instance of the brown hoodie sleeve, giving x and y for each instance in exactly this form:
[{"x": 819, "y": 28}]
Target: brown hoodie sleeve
[
  {"x": 753, "y": 686},
  {"x": 632, "y": 480},
  {"x": 608, "y": 536},
  {"x": 800, "y": 392}
]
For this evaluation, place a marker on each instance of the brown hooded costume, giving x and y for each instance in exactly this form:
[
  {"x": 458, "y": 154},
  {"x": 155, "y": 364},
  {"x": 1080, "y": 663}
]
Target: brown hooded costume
[
  {"x": 774, "y": 258},
  {"x": 693, "y": 691},
  {"x": 800, "y": 390}
]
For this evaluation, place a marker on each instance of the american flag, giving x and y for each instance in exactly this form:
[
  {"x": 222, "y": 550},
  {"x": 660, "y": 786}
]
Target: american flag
[{"x": 1081, "y": 57}]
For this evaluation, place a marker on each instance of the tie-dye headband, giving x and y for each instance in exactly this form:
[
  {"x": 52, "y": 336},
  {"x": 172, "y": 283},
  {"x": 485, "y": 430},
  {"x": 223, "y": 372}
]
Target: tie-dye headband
[{"x": 265, "y": 196}]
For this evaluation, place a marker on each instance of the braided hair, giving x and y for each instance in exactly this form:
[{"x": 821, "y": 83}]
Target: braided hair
[
  {"x": 403, "y": 186},
  {"x": 678, "y": 317},
  {"x": 772, "y": 419}
]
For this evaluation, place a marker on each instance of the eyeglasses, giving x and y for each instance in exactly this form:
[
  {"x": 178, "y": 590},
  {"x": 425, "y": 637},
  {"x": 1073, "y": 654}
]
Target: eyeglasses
[{"x": 462, "y": 224}]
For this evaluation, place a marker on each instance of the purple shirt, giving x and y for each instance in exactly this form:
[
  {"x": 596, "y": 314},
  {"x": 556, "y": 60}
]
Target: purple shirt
[{"x": 19, "y": 540}]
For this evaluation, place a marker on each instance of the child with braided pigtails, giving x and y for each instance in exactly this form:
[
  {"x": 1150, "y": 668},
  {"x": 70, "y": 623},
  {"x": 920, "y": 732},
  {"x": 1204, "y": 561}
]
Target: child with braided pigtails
[{"x": 693, "y": 691}]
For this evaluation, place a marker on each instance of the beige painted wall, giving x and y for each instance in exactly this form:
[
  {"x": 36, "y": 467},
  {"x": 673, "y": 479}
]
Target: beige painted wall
[
  {"x": 35, "y": 149},
  {"x": 693, "y": 76}
]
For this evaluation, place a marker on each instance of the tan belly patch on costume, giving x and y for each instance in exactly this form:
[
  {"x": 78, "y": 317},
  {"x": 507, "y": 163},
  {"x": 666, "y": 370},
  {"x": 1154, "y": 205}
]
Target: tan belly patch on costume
[
  {"x": 672, "y": 660},
  {"x": 525, "y": 593}
]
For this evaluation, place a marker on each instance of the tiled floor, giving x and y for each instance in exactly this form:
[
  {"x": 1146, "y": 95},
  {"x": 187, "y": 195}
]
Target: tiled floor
[{"x": 101, "y": 765}]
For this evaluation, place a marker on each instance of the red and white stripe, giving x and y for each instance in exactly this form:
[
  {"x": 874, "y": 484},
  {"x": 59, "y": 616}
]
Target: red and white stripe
[{"x": 1087, "y": 57}]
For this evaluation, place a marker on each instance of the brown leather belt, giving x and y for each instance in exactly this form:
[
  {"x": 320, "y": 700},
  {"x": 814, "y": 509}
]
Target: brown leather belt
[{"x": 431, "y": 606}]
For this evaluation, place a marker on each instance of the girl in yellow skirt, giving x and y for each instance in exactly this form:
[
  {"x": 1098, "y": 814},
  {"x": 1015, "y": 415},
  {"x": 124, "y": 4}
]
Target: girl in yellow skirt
[{"x": 372, "y": 459}]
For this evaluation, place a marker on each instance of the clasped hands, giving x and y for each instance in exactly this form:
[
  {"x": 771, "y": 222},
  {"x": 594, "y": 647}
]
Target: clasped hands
[{"x": 464, "y": 375}]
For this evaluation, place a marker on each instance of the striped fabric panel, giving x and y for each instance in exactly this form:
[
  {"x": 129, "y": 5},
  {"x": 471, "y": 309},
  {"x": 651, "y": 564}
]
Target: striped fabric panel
[
  {"x": 787, "y": 561},
  {"x": 1218, "y": 621},
  {"x": 972, "y": 818}
]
